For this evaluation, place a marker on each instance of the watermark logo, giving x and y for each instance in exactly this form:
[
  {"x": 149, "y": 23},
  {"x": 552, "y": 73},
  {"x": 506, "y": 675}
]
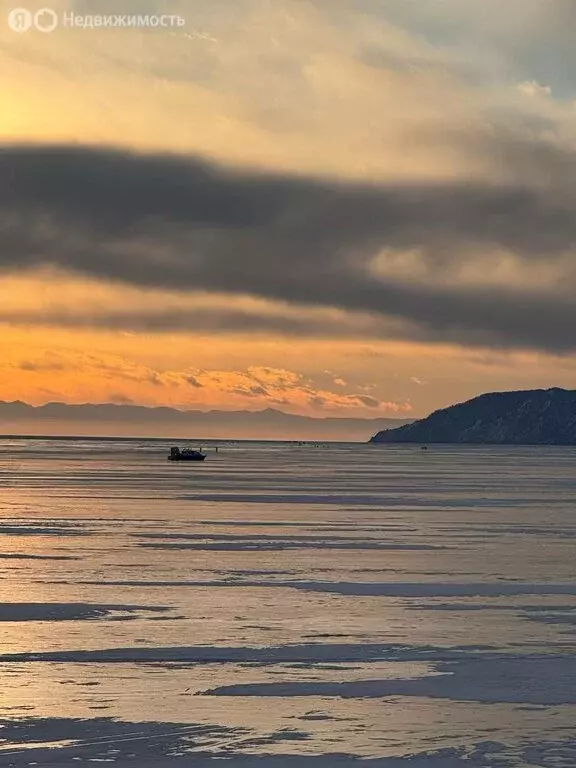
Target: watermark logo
[
  {"x": 46, "y": 20},
  {"x": 20, "y": 20}
]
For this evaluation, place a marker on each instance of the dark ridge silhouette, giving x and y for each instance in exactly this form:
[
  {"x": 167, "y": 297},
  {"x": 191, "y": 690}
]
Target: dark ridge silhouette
[{"x": 531, "y": 417}]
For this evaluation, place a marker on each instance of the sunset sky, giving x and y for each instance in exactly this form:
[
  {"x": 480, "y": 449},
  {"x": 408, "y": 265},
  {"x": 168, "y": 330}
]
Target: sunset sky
[{"x": 331, "y": 207}]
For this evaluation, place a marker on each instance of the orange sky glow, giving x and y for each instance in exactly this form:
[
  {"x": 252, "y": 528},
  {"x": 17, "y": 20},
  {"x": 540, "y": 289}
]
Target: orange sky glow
[{"x": 327, "y": 100}]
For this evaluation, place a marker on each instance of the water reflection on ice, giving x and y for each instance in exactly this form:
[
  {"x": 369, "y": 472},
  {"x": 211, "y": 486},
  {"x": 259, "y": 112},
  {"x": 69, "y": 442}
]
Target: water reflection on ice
[{"x": 283, "y": 605}]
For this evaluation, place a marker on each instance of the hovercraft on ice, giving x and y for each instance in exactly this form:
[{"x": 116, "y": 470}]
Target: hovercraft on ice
[{"x": 186, "y": 454}]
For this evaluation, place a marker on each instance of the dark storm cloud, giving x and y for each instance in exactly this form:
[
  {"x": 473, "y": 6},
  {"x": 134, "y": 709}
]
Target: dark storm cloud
[{"x": 179, "y": 223}]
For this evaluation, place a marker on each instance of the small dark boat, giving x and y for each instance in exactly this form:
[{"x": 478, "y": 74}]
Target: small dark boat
[{"x": 187, "y": 454}]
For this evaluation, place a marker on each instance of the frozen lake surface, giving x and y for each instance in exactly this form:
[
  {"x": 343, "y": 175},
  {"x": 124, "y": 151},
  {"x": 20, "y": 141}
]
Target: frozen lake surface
[{"x": 287, "y": 605}]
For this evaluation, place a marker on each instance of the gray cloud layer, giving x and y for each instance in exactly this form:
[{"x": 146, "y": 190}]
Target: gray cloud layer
[{"x": 180, "y": 223}]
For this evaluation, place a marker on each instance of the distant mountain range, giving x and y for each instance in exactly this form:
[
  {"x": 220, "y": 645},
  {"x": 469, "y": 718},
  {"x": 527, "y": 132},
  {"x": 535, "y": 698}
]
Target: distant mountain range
[
  {"x": 107, "y": 419},
  {"x": 532, "y": 417}
]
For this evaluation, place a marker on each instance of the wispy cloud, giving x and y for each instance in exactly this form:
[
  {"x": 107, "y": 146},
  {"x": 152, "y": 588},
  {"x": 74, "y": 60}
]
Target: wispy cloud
[{"x": 255, "y": 387}]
